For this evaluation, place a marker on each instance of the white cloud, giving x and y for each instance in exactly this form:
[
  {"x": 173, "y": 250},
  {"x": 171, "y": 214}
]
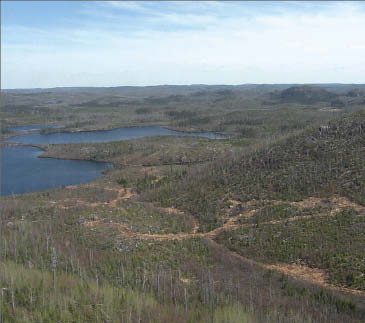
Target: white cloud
[{"x": 235, "y": 44}]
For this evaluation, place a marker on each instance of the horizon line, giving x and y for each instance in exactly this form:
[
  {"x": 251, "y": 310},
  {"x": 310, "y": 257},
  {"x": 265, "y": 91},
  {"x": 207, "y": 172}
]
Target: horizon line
[{"x": 176, "y": 85}]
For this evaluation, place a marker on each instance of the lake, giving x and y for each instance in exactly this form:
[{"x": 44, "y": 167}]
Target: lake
[
  {"x": 105, "y": 135},
  {"x": 22, "y": 171}
]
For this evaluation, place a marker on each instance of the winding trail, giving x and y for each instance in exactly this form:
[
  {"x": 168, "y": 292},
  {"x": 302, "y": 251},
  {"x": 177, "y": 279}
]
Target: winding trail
[
  {"x": 297, "y": 271},
  {"x": 230, "y": 222}
]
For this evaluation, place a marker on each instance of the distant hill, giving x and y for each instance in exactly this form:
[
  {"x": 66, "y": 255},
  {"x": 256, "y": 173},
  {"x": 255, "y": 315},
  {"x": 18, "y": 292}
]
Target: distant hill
[
  {"x": 355, "y": 93},
  {"x": 305, "y": 95}
]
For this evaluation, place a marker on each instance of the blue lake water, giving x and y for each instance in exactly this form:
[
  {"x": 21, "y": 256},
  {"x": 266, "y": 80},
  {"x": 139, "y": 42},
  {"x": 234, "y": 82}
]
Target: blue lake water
[
  {"x": 105, "y": 135},
  {"x": 22, "y": 171}
]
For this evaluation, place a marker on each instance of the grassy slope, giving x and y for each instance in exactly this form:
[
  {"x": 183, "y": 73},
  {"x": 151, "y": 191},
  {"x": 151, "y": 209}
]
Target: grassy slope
[{"x": 32, "y": 295}]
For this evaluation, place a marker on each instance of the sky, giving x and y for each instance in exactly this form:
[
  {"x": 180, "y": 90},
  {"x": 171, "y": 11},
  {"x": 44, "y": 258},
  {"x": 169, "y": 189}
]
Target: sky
[{"x": 105, "y": 43}]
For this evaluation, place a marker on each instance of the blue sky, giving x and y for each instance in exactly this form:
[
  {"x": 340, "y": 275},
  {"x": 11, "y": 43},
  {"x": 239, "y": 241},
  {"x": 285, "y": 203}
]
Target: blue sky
[{"x": 105, "y": 43}]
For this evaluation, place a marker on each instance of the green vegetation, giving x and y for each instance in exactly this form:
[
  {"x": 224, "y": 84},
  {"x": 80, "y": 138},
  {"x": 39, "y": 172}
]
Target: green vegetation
[
  {"x": 146, "y": 151},
  {"x": 297, "y": 167},
  {"x": 282, "y": 211},
  {"x": 251, "y": 110},
  {"x": 147, "y": 219},
  {"x": 331, "y": 243},
  {"x": 31, "y": 295},
  {"x": 138, "y": 245}
]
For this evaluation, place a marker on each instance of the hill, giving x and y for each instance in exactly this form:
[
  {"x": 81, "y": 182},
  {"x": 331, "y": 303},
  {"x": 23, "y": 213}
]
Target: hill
[
  {"x": 307, "y": 164},
  {"x": 305, "y": 95},
  {"x": 300, "y": 200}
]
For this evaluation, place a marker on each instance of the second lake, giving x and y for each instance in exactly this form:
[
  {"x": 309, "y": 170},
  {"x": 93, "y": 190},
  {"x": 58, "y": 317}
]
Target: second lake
[{"x": 105, "y": 135}]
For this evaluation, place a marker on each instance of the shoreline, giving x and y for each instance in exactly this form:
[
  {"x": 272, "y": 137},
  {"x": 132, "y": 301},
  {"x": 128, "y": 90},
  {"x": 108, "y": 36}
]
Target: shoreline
[
  {"x": 62, "y": 129},
  {"x": 44, "y": 150}
]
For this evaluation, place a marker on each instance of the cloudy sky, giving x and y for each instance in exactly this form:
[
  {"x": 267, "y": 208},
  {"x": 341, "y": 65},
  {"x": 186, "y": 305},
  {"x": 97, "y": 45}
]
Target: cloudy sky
[{"x": 105, "y": 43}]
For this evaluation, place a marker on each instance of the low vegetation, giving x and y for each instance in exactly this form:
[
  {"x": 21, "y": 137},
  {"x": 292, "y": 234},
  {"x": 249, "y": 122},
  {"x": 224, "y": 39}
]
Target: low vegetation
[
  {"x": 266, "y": 226},
  {"x": 332, "y": 243},
  {"x": 308, "y": 164}
]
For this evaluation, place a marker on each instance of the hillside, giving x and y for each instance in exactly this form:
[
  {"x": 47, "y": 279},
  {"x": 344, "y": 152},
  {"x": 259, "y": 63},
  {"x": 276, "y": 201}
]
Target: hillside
[
  {"x": 300, "y": 200},
  {"x": 305, "y": 95},
  {"x": 300, "y": 166}
]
